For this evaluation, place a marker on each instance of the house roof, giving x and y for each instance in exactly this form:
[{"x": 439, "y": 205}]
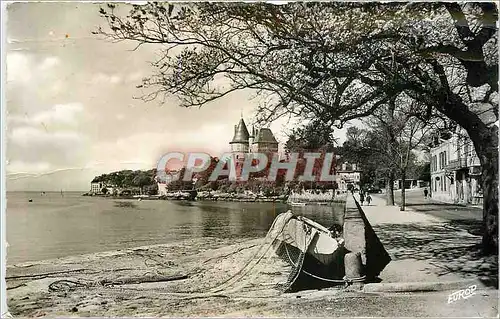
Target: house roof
[
  {"x": 265, "y": 135},
  {"x": 241, "y": 134}
]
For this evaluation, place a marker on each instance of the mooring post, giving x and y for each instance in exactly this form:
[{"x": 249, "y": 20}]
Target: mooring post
[
  {"x": 354, "y": 270},
  {"x": 360, "y": 238}
]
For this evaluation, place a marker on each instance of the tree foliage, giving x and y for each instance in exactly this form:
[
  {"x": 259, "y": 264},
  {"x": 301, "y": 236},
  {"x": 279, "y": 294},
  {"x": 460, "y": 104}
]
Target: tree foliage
[
  {"x": 331, "y": 61},
  {"x": 179, "y": 184},
  {"x": 128, "y": 178},
  {"x": 314, "y": 136}
]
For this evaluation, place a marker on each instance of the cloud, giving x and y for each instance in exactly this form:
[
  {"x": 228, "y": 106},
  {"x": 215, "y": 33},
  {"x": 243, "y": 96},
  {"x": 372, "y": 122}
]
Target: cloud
[
  {"x": 66, "y": 114},
  {"x": 135, "y": 77},
  {"x": 60, "y": 113},
  {"x": 29, "y": 136},
  {"x": 18, "y": 67},
  {"x": 101, "y": 78},
  {"x": 49, "y": 63},
  {"x": 47, "y": 140},
  {"x": 20, "y": 167},
  {"x": 22, "y": 67},
  {"x": 143, "y": 150}
]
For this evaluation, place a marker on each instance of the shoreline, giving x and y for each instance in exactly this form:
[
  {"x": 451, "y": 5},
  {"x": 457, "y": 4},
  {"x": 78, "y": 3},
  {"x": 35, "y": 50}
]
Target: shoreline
[{"x": 228, "y": 197}]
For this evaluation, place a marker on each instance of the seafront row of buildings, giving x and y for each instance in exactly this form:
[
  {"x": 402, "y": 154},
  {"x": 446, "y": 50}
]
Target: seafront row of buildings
[{"x": 455, "y": 169}]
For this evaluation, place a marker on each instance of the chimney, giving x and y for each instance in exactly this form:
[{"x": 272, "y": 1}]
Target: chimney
[
  {"x": 354, "y": 167},
  {"x": 344, "y": 166}
]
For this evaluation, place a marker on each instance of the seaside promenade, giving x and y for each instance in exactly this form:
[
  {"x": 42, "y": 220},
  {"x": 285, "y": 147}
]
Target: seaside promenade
[
  {"x": 431, "y": 258},
  {"x": 429, "y": 248}
]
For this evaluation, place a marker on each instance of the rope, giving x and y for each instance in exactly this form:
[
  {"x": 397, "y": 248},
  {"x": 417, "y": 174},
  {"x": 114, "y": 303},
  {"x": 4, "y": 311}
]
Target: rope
[
  {"x": 295, "y": 272},
  {"x": 253, "y": 257},
  {"x": 343, "y": 280}
]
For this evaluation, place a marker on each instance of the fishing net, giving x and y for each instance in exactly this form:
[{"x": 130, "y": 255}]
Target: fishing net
[
  {"x": 274, "y": 266},
  {"x": 282, "y": 262}
]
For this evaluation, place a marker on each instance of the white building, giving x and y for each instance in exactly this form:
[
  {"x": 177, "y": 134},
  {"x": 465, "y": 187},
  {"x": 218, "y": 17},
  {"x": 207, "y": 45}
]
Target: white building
[
  {"x": 163, "y": 184},
  {"x": 96, "y": 187},
  {"x": 349, "y": 174},
  {"x": 455, "y": 169}
]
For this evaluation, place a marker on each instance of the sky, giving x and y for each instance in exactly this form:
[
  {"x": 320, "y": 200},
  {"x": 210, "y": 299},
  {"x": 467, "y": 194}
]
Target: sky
[{"x": 72, "y": 109}]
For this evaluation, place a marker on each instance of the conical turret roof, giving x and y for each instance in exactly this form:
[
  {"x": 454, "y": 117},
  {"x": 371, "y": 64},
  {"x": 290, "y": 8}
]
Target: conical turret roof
[
  {"x": 265, "y": 135},
  {"x": 241, "y": 134}
]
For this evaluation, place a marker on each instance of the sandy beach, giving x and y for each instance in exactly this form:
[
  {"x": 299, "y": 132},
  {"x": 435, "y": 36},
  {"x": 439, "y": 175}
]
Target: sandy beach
[{"x": 107, "y": 284}]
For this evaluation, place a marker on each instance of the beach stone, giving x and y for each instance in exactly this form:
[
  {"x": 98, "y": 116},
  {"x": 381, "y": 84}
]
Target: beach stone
[
  {"x": 468, "y": 268},
  {"x": 485, "y": 266}
]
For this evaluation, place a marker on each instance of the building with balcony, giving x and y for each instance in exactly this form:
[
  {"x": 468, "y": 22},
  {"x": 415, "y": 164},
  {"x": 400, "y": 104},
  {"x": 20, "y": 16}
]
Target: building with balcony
[
  {"x": 455, "y": 169},
  {"x": 348, "y": 175}
]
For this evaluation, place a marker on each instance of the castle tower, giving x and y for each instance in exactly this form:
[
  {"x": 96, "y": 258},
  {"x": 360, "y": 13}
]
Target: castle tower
[
  {"x": 250, "y": 140},
  {"x": 240, "y": 145},
  {"x": 265, "y": 141},
  {"x": 240, "y": 142}
]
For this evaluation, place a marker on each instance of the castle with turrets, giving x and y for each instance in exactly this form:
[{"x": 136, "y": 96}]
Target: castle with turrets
[{"x": 258, "y": 141}]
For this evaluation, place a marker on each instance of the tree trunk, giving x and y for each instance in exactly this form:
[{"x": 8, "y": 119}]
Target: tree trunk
[
  {"x": 485, "y": 140},
  {"x": 390, "y": 143},
  {"x": 489, "y": 168},
  {"x": 389, "y": 189},
  {"x": 403, "y": 193}
]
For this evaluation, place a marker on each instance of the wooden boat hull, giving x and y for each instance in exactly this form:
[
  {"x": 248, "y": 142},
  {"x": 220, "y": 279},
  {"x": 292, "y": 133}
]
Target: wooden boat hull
[{"x": 307, "y": 236}]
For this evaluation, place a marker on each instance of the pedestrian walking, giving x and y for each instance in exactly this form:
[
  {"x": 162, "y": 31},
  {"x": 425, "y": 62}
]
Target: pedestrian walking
[
  {"x": 426, "y": 192},
  {"x": 361, "y": 198},
  {"x": 368, "y": 199}
]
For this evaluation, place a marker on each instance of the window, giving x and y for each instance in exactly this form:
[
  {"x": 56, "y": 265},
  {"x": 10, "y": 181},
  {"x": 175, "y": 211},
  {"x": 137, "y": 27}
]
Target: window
[{"x": 444, "y": 159}]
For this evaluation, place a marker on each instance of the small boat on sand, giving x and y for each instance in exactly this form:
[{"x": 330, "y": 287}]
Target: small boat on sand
[{"x": 307, "y": 236}]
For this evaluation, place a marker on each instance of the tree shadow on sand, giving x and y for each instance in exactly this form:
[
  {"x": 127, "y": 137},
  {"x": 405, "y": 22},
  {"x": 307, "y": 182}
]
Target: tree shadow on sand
[{"x": 453, "y": 247}]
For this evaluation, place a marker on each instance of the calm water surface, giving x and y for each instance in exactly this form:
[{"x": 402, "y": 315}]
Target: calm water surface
[{"x": 56, "y": 226}]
